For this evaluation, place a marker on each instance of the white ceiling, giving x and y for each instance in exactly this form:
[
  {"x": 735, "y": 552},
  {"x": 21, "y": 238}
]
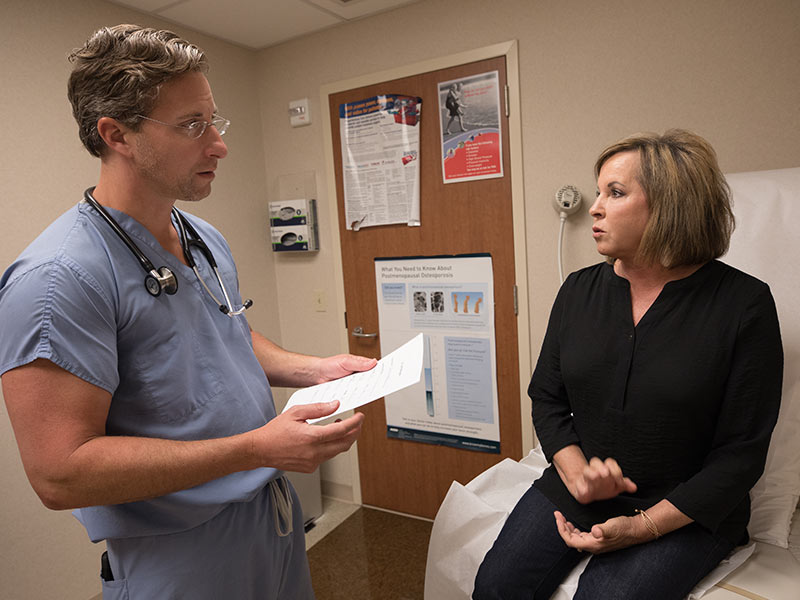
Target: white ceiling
[{"x": 258, "y": 24}]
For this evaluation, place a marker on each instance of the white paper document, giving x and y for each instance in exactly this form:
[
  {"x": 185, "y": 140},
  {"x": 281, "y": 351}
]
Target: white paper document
[{"x": 395, "y": 371}]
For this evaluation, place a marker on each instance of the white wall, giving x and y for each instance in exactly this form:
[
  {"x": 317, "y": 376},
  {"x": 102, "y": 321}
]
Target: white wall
[{"x": 590, "y": 73}]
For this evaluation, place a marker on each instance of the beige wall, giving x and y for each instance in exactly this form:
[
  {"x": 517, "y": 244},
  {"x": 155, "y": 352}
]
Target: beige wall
[
  {"x": 590, "y": 73},
  {"x": 44, "y": 170}
]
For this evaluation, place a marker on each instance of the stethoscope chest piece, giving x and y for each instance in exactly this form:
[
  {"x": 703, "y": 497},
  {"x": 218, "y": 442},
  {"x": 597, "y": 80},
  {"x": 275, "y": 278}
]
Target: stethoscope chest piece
[{"x": 166, "y": 281}]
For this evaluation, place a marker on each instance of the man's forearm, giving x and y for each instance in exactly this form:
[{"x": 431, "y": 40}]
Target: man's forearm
[
  {"x": 117, "y": 469},
  {"x": 284, "y": 368}
]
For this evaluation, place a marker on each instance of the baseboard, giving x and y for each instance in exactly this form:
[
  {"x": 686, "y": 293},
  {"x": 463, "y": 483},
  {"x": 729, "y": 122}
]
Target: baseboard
[
  {"x": 400, "y": 514},
  {"x": 338, "y": 491}
]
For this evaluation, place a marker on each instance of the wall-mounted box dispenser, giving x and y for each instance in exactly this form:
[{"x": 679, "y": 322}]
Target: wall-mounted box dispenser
[{"x": 293, "y": 225}]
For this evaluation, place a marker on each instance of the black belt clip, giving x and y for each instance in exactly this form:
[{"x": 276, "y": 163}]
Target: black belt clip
[{"x": 105, "y": 568}]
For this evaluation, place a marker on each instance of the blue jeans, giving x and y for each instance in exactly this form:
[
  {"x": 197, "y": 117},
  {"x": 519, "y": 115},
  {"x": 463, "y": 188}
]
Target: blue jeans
[{"x": 529, "y": 560}]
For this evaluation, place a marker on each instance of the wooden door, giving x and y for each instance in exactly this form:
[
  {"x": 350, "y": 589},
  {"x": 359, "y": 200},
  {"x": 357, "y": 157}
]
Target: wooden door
[{"x": 457, "y": 218}]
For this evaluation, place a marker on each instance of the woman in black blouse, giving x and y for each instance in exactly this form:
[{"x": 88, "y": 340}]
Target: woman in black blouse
[{"x": 655, "y": 393}]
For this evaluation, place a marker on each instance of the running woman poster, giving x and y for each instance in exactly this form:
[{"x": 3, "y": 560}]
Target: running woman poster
[{"x": 469, "y": 111}]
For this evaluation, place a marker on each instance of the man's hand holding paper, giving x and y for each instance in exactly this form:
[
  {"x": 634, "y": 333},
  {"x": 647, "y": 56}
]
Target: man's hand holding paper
[{"x": 395, "y": 371}]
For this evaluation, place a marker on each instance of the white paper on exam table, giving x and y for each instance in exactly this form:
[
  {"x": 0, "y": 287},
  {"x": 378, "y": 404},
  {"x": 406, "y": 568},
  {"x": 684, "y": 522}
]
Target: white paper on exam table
[{"x": 395, "y": 371}]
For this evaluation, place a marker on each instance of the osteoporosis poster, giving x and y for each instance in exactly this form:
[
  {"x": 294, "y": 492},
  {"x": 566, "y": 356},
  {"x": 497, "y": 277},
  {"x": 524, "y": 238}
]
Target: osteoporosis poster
[
  {"x": 469, "y": 114},
  {"x": 380, "y": 160},
  {"x": 450, "y": 300}
]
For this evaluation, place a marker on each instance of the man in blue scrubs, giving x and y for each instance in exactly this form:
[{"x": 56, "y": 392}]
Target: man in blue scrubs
[{"x": 151, "y": 413}]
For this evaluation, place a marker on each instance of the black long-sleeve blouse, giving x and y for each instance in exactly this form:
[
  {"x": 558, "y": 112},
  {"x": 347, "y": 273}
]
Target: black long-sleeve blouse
[{"x": 685, "y": 401}]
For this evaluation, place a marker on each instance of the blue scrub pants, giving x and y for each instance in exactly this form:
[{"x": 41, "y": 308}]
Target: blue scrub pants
[
  {"x": 237, "y": 554},
  {"x": 529, "y": 560}
]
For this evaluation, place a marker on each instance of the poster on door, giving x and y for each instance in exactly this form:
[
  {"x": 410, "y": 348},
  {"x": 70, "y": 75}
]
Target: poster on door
[
  {"x": 450, "y": 300},
  {"x": 380, "y": 160},
  {"x": 469, "y": 116}
]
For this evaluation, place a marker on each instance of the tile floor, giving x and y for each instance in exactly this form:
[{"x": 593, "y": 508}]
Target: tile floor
[
  {"x": 334, "y": 512},
  {"x": 362, "y": 553}
]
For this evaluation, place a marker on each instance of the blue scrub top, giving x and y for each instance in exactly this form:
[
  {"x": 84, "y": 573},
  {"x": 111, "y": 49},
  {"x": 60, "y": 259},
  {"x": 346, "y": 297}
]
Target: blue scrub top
[{"x": 177, "y": 368}]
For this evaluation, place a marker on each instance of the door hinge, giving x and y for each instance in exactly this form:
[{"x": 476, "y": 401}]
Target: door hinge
[
  {"x": 516, "y": 302},
  {"x": 506, "y": 98},
  {"x": 345, "y": 319}
]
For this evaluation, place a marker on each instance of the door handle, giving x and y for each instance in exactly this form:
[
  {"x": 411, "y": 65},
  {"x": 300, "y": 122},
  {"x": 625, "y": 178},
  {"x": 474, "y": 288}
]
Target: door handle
[{"x": 359, "y": 332}]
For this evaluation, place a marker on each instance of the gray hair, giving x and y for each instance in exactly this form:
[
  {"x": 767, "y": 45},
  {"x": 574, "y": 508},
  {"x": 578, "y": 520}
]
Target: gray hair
[{"x": 118, "y": 72}]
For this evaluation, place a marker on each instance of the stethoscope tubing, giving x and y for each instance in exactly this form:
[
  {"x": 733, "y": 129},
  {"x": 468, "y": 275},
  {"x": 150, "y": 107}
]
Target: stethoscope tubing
[
  {"x": 143, "y": 260},
  {"x": 157, "y": 280}
]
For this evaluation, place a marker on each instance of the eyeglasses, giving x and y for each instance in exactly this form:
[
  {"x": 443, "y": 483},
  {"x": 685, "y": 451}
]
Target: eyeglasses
[{"x": 196, "y": 129}]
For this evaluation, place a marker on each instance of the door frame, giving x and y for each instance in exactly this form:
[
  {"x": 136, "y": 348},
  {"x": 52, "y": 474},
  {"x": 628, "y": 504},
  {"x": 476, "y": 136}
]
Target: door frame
[{"x": 511, "y": 53}]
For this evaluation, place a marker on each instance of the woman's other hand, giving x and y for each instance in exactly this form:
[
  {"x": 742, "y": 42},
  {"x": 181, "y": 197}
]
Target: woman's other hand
[
  {"x": 601, "y": 480},
  {"x": 593, "y": 480},
  {"x": 615, "y": 534}
]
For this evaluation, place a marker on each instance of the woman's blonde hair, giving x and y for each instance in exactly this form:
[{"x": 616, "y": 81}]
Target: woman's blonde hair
[
  {"x": 691, "y": 216},
  {"x": 118, "y": 72}
]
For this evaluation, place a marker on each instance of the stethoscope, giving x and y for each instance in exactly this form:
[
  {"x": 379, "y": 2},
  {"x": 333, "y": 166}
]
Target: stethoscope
[{"x": 163, "y": 279}]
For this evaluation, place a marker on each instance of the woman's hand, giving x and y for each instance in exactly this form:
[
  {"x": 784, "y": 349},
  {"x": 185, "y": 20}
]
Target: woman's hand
[
  {"x": 614, "y": 534},
  {"x": 600, "y": 480},
  {"x": 593, "y": 480},
  {"x": 621, "y": 532}
]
